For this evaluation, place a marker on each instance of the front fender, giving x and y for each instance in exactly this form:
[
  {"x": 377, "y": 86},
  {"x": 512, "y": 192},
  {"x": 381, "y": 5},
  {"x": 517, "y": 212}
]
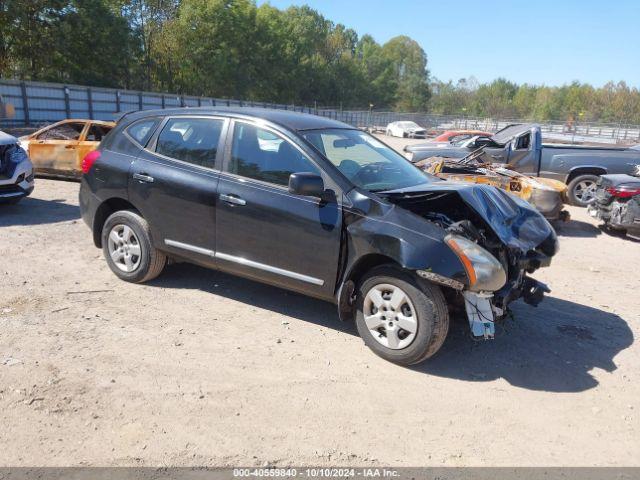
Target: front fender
[{"x": 407, "y": 239}]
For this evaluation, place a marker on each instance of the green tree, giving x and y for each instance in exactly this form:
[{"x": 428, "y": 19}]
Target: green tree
[{"x": 409, "y": 62}]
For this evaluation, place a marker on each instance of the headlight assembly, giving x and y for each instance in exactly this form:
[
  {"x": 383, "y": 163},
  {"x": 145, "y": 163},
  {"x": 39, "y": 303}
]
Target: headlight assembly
[{"x": 484, "y": 271}]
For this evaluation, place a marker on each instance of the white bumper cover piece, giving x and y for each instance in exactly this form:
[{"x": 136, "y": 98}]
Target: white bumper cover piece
[{"x": 480, "y": 314}]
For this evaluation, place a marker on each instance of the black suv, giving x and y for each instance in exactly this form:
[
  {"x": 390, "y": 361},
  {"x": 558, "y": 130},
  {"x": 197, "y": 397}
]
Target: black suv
[{"x": 316, "y": 206}]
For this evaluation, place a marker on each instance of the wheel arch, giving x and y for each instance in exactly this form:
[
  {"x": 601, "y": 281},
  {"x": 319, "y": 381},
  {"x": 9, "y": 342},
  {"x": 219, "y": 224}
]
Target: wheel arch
[
  {"x": 585, "y": 170},
  {"x": 351, "y": 278},
  {"x": 103, "y": 212}
]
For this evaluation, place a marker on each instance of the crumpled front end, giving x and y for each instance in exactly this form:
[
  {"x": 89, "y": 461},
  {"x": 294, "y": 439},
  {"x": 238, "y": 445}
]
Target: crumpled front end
[
  {"x": 516, "y": 236},
  {"x": 16, "y": 173},
  {"x": 617, "y": 202}
]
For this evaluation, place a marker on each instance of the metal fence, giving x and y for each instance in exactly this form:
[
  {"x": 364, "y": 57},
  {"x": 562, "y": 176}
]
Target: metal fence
[{"x": 32, "y": 104}]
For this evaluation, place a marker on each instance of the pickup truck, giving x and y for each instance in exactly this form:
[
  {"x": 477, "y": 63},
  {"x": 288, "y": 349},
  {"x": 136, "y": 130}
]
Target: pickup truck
[{"x": 520, "y": 147}]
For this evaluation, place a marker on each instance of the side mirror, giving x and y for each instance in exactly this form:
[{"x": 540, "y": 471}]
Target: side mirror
[{"x": 307, "y": 184}]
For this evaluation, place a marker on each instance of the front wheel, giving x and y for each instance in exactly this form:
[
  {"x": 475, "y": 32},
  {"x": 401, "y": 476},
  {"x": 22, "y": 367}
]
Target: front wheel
[
  {"x": 127, "y": 247},
  {"x": 402, "y": 319},
  {"x": 582, "y": 190}
]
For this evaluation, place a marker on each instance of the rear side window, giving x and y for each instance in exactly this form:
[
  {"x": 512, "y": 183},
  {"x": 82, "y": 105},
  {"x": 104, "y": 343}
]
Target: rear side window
[
  {"x": 97, "y": 132},
  {"x": 260, "y": 154},
  {"x": 141, "y": 131},
  {"x": 193, "y": 140}
]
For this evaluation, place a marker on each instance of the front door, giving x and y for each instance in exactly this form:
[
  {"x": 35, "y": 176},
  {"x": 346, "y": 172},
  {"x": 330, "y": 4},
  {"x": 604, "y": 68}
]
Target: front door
[
  {"x": 55, "y": 150},
  {"x": 174, "y": 182},
  {"x": 263, "y": 231}
]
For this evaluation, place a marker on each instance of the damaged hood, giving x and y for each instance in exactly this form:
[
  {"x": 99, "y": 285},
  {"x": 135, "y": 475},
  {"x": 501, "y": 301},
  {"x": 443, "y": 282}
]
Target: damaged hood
[{"x": 516, "y": 223}]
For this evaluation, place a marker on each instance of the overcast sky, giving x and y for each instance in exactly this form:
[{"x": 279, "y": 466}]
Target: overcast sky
[{"x": 541, "y": 42}]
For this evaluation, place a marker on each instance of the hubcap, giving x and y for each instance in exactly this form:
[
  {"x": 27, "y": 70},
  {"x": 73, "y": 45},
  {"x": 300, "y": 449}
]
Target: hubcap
[
  {"x": 124, "y": 248},
  {"x": 390, "y": 316},
  {"x": 586, "y": 191}
]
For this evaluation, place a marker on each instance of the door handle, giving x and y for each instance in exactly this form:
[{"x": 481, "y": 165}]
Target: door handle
[
  {"x": 233, "y": 199},
  {"x": 143, "y": 177}
]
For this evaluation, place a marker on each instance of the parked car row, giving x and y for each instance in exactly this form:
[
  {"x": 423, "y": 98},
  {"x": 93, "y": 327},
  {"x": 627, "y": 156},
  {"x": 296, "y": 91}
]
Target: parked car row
[
  {"x": 316, "y": 206},
  {"x": 520, "y": 148}
]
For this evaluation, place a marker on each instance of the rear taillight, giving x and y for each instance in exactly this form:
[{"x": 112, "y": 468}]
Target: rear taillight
[
  {"x": 623, "y": 192},
  {"x": 88, "y": 160}
]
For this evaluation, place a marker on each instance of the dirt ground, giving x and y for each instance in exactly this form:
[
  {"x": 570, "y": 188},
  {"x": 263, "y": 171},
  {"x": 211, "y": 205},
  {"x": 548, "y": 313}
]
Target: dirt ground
[{"x": 201, "y": 368}]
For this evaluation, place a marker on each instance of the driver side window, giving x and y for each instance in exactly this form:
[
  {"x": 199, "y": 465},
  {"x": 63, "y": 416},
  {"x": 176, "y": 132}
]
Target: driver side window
[
  {"x": 523, "y": 142},
  {"x": 263, "y": 155}
]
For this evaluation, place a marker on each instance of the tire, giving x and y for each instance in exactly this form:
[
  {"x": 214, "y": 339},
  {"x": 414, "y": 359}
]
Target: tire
[
  {"x": 149, "y": 261},
  {"x": 575, "y": 187},
  {"x": 425, "y": 301}
]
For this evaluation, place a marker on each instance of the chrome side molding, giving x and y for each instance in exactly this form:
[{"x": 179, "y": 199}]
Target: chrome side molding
[{"x": 244, "y": 261}]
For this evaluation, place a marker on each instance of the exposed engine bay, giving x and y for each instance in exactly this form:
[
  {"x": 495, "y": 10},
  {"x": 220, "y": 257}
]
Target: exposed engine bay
[
  {"x": 544, "y": 194},
  {"x": 534, "y": 248}
]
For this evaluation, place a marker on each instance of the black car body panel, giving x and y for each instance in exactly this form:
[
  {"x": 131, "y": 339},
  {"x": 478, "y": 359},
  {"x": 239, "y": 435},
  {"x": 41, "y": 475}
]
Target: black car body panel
[{"x": 260, "y": 230}]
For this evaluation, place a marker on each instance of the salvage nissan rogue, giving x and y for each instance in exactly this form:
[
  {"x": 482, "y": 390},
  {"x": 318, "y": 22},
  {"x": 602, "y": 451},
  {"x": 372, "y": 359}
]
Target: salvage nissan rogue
[{"x": 315, "y": 206}]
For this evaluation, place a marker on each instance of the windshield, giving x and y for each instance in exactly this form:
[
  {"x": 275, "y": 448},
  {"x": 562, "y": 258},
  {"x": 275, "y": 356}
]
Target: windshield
[{"x": 364, "y": 160}]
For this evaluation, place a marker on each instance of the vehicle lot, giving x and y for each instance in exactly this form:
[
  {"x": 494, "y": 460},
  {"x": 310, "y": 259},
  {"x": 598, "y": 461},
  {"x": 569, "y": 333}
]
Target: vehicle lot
[{"x": 201, "y": 368}]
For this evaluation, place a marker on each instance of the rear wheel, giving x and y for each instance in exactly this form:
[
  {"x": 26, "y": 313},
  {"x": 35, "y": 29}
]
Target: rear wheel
[
  {"x": 582, "y": 190},
  {"x": 126, "y": 244},
  {"x": 400, "y": 318}
]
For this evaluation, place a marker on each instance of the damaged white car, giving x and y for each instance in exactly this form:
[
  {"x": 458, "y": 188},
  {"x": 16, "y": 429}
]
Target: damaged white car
[{"x": 16, "y": 170}]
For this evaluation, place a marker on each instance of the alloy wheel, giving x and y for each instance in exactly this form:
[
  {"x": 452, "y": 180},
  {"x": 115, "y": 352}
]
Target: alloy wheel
[
  {"x": 124, "y": 248},
  {"x": 585, "y": 191}
]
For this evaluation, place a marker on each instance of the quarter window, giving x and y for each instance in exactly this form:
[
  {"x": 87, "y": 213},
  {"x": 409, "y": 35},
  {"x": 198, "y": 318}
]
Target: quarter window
[
  {"x": 193, "y": 140},
  {"x": 141, "y": 131},
  {"x": 260, "y": 154},
  {"x": 97, "y": 132}
]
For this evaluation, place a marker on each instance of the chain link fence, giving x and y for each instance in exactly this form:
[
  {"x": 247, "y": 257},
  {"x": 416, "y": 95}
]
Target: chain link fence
[{"x": 34, "y": 104}]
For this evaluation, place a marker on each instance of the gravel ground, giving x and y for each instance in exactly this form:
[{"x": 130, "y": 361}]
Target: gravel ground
[{"x": 201, "y": 368}]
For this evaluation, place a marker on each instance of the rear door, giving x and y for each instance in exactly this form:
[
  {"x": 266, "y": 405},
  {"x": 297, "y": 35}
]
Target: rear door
[
  {"x": 263, "y": 231},
  {"x": 55, "y": 150},
  {"x": 174, "y": 182}
]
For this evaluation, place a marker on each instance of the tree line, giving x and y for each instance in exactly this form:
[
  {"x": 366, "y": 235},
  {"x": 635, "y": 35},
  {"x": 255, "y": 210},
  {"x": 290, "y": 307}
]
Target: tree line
[
  {"x": 576, "y": 102},
  {"x": 217, "y": 48},
  {"x": 235, "y": 49}
]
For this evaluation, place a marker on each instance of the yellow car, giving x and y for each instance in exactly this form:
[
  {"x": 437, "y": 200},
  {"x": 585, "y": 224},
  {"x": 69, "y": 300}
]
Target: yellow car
[
  {"x": 546, "y": 195},
  {"x": 58, "y": 150}
]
